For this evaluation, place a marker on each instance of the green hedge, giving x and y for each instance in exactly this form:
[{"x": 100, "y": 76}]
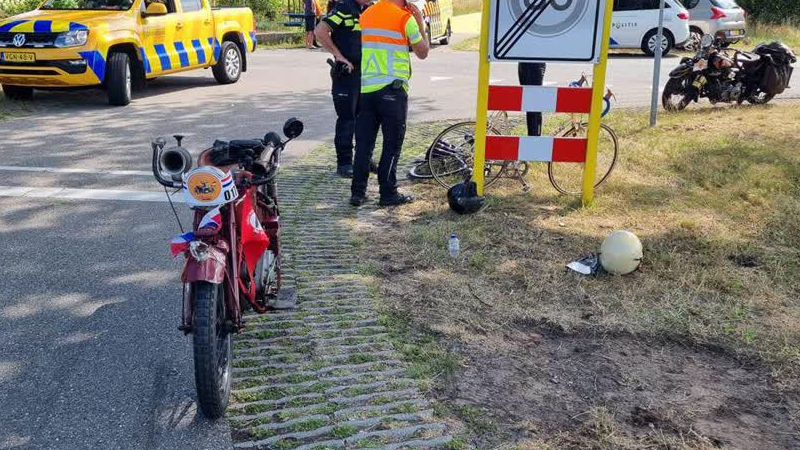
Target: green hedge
[
  {"x": 779, "y": 11},
  {"x": 14, "y": 7}
]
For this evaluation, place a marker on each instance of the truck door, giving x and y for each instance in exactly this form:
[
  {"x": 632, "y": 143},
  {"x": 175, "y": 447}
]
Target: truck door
[
  {"x": 433, "y": 12},
  {"x": 198, "y": 33},
  {"x": 159, "y": 34}
]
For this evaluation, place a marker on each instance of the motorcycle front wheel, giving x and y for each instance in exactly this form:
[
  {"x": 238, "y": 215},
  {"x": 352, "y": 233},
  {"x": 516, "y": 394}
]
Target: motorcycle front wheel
[
  {"x": 212, "y": 349},
  {"x": 675, "y": 96}
]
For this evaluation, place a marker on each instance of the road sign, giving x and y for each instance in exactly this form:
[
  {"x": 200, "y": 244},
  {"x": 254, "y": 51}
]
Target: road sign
[{"x": 546, "y": 30}]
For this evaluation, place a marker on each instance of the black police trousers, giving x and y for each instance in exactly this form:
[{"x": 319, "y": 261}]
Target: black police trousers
[
  {"x": 385, "y": 109},
  {"x": 345, "y": 91},
  {"x": 532, "y": 74}
]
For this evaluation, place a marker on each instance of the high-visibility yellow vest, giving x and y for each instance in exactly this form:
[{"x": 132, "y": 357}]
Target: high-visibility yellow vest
[{"x": 384, "y": 46}]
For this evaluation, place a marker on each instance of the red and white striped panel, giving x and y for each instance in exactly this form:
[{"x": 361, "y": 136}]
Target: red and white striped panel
[
  {"x": 540, "y": 99},
  {"x": 536, "y": 148}
]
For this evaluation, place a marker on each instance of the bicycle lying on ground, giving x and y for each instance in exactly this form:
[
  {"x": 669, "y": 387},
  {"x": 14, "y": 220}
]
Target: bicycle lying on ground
[{"x": 449, "y": 158}]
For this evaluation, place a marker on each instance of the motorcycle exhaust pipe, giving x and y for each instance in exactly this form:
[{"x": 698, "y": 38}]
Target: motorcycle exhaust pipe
[{"x": 174, "y": 162}]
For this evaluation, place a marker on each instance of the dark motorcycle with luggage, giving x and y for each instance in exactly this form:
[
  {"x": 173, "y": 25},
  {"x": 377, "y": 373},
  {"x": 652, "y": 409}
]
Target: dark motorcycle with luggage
[{"x": 724, "y": 75}]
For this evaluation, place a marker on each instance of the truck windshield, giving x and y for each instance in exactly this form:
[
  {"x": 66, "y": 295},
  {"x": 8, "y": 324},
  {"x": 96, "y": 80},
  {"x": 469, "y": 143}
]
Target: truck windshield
[{"x": 109, "y": 5}]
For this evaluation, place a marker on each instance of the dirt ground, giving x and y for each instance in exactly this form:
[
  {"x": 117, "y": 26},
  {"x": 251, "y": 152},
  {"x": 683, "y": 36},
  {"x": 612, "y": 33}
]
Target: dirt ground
[
  {"x": 697, "y": 350},
  {"x": 549, "y": 388}
]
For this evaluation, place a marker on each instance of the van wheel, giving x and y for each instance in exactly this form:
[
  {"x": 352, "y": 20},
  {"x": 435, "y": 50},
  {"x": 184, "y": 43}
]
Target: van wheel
[
  {"x": 649, "y": 43},
  {"x": 449, "y": 32},
  {"x": 17, "y": 92},
  {"x": 118, "y": 79},
  {"x": 229, "y": 67}
]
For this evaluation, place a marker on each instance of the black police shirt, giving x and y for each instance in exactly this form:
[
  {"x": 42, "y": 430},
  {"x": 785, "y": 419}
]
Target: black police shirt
[{"x": 346, "y": 35}]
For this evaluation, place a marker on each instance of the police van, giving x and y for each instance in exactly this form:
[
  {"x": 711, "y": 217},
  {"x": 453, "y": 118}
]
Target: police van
[
  {"x": 635, "y": 25},
  {"x": 438, "y": 15}
]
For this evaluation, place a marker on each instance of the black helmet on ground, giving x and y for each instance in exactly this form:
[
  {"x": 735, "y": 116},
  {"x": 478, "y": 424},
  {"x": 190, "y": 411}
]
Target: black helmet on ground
[{"x": 463, "y": 198}]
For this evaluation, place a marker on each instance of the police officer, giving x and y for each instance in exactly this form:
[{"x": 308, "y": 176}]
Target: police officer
[
  {"x": 387, "y": 29},
  {"x": 532, "y": 74},
  {"x": 340, "y": 34}
]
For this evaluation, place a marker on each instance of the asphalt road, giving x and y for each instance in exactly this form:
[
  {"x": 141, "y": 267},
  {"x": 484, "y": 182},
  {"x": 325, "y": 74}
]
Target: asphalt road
[{"x": 90, "y": 357}]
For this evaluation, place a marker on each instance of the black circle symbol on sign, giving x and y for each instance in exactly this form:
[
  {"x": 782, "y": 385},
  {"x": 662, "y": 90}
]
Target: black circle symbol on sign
[{"x": 558, "y": 17}]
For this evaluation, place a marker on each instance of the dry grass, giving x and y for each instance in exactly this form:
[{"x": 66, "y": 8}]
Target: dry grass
[
  {"x": 466, "y": 6},
  {"x": 713, "y": 195},
  {"x": 766, "y": 32}
]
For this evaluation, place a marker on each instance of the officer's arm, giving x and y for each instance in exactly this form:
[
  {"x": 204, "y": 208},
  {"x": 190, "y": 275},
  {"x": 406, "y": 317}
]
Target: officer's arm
[
  {"x": 323, "y": 33},
  {"x": 419, "y": 44}
]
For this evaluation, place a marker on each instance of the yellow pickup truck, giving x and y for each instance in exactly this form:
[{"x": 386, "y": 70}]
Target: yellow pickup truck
[{"x": 120, "y": 44}]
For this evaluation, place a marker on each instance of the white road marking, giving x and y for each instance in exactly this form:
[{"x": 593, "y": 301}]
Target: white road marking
[
  {"x": 68, "y": 170},
  {"x": 87, "y": 194},
  {"x": 434, "y": 78},
  {"x": 495, "y": 80}
]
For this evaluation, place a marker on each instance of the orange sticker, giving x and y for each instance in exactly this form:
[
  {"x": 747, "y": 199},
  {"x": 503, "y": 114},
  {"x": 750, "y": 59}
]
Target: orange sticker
[{"x": 203, "y": 186}]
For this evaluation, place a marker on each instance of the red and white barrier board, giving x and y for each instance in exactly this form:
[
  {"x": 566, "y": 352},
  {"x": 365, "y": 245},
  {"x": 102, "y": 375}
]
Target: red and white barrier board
[
  {"x": 540, "y": 99},
  {"x": 536, "y": 148}
]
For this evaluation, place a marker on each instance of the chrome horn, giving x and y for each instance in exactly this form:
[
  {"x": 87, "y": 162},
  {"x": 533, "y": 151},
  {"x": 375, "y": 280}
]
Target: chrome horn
[{"x": 175, "y": 161}]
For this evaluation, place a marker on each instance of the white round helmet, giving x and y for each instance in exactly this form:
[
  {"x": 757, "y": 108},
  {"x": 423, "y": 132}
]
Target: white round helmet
[
  {"x": 621, "y": 253},
  {"x": 208, "y": 186}
]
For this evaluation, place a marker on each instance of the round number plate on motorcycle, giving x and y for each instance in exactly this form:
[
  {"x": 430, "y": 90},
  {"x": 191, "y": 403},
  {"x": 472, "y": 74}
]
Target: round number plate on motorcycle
[{"x": 208, "y": 186}]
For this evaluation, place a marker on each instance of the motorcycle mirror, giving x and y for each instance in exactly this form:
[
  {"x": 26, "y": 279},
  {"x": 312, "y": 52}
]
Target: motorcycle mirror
[
  {"x": 273, "y": 139},
  {"x": 293, "y": 128},
  {"x": 706, "y": 41}
]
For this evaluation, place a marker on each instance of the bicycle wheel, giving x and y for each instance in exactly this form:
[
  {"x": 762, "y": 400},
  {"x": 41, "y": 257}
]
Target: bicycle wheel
[
  {"x": 420, "y": 171},
  {"x": 452, "y": 155},
  {"x": 567, "y": 178}
]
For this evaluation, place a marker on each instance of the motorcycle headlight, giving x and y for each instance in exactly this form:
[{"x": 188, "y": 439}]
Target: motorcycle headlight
[{"x": 73, "y": 38}]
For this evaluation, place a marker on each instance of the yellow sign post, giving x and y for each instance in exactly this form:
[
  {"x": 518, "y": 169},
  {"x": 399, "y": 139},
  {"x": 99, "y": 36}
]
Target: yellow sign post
[
  {"x": 483, "y": 100},
  {"x": 598, "y": 90}
]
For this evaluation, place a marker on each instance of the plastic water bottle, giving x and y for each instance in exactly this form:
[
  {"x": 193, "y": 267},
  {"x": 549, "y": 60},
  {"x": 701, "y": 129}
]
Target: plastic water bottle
[{"x": 454, "y": 246}]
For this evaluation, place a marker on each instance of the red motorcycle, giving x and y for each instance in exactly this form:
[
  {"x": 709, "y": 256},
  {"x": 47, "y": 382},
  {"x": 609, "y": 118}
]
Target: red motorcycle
[{"x": 233, "y": 254}]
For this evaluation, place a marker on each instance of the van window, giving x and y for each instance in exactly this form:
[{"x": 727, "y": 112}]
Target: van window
[
  {"x": 191, "y": 5},
  {"x": 637, "y": 5},
  {"x": 725, "y": 4}
]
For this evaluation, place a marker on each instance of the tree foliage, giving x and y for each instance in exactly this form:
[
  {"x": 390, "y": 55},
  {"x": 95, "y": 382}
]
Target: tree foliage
[{"x": 778, "y": 11}]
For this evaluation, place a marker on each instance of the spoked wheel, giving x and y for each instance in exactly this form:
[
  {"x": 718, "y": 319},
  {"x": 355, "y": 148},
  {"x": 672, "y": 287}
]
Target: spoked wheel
[
  {"x": 759, "y": 98},
  {"x": 567, "y": 178},
  {"x": 212, "y": 349},
  {"x": 675, "y": 96},
  {"x": 420, "y": 171},
  {"x": 452, "y": 155},
  {"x": 266, "y": 274}
]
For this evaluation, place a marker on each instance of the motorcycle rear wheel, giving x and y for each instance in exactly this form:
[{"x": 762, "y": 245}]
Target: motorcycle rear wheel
[
  {"x": 212, "y": 349},
  {"x": 760, "y": 98},
  {"x": 674, "y": 97}
]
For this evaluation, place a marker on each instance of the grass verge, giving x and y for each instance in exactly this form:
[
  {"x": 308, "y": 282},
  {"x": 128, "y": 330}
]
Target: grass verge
[
  {"x": 466, "y": 7},
  {"x": 713, "y": 195}
]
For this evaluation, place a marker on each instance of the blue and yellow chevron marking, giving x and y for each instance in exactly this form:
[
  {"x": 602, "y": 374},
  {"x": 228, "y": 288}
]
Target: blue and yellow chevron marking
[
  {"x": 214, "y": 43},
  {"x": 40, "y": 26},
  {"x": 180, "y": 49},
  {"x": 145, "y": 61},
  {"x": 254, "y": 38},
  {"x": 163, "y": 57},
  {"x": 96, "y": 63},
  {"x": 198, "y": 49}
]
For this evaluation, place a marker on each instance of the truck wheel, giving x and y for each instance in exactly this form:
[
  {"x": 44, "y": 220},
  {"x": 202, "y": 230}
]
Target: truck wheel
[
  {"x": 449, "y": 32},
  {"x": 118, "y": 79},
  {"x": 17, "y": 92},
  {"x": 229, "y": 67}
]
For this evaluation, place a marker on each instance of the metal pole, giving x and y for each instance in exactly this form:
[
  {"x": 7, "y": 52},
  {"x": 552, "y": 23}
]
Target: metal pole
[
  {"x": 598, "y": 90},
  {"x": 483, "y": 100},
  {"x": 657, "y": 68}
]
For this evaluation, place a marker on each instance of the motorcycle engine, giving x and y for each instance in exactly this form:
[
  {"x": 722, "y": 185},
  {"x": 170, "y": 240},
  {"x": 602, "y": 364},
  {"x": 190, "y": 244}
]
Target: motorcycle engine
[{"x": 723, "y": 91}]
